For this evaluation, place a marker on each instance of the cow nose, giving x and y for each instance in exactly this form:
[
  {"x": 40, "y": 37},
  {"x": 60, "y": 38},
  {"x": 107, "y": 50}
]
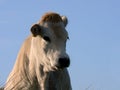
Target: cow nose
[{"x": 64, "y": 62}]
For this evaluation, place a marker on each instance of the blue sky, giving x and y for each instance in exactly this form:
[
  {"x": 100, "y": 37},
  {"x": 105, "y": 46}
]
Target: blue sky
[{"x": 94, "y": 31}]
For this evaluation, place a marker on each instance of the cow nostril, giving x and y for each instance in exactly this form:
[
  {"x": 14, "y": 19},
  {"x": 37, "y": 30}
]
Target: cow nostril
[{"x": 64, "y": 62}]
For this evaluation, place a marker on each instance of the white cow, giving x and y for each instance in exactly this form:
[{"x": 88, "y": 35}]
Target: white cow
[{"x": 42, "y": 61}]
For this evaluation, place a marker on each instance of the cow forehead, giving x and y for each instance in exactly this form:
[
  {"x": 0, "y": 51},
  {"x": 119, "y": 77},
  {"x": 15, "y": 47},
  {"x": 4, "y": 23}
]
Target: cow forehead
[
  {"x": 60, "y": 32},
  {"x": 56, "y": 31},
  {"x": 54, "y": 25}
]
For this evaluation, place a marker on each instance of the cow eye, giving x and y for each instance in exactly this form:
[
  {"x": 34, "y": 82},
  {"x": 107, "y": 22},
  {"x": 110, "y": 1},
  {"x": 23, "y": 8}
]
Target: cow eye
[
  {"x": 68, "y": 38},
  {"x": 46, "y": 38}
]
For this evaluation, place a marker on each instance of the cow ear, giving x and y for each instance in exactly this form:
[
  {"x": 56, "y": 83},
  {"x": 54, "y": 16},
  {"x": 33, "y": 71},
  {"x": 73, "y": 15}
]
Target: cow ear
[
  {"x": 65, "y": 20},
  {"x": 35, "y": 30}
]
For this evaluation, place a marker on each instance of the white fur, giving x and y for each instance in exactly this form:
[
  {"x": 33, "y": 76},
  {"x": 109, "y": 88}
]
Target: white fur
[{"x": 35, "y": 67}]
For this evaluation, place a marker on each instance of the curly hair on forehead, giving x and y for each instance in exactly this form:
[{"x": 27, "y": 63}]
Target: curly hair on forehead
[{"x": 51, "y": 17}]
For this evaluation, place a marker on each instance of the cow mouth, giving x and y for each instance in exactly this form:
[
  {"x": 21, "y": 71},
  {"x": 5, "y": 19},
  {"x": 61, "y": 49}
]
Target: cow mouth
[{"x": 56, "y": 68}]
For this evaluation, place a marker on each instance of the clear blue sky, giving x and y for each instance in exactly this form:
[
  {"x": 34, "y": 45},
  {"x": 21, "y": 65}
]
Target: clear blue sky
[{"x": 94, "y": 31}]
